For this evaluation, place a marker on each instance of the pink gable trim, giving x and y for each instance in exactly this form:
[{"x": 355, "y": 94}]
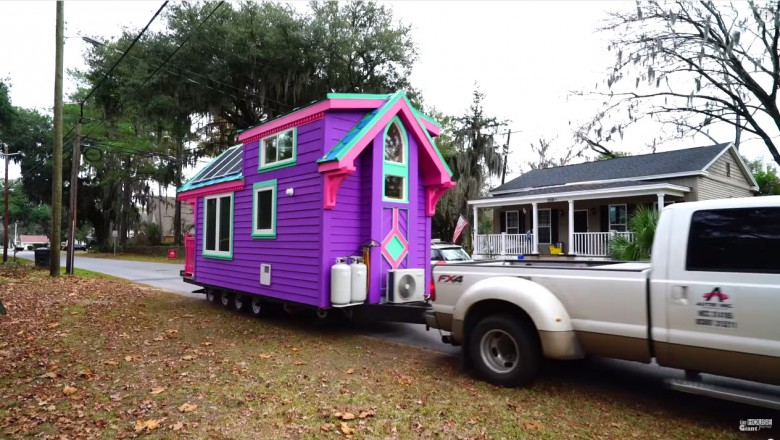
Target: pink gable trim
[
  {"x": 305, "y": 115},
  {"x": 412, "y": 124},
  {"x": 431, "y": 127},
  {"x": 212, "y": 189}
]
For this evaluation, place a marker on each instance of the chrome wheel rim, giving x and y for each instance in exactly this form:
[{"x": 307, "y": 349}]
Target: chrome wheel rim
[
  {"x": 256, "y": 307},
  {"x": 225, "y": 300},
  {"x": 210, "y": 296},
  {"x": 499, "y": 351},
  {"x": 238, "y": 301}
]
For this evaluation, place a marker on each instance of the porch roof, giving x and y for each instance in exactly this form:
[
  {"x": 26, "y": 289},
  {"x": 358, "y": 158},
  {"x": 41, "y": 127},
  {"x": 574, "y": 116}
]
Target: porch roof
[{"x": 583, "y": 192}]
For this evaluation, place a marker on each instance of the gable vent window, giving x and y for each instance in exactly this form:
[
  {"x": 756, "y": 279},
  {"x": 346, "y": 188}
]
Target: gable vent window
[
  {"x": 396, "y": 163},
  {"x": 728, "y": 170}
]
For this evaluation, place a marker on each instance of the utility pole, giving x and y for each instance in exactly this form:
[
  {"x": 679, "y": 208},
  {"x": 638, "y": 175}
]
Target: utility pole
[
  {"x": 74, "y": 187},
  {"x": 5, "y": 217},
  {"x": 56, "y": 178},
  {"x": 506, "y": 155}
]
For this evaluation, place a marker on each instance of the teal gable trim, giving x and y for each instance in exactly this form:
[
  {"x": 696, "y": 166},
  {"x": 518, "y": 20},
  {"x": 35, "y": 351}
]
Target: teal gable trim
[{"x": 360, "y": 129}]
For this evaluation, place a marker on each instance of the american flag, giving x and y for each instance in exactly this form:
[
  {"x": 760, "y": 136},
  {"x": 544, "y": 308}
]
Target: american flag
[{"x": 462, "y": 223}]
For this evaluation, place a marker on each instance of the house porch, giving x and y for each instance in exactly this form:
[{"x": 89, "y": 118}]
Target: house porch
[{"x": 571, "y": 223}]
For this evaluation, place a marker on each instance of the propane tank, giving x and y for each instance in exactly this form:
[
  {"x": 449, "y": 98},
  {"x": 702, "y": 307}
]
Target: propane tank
[
  {"x": 339, "y": 283},
  {"x": 358, "y": 279}
]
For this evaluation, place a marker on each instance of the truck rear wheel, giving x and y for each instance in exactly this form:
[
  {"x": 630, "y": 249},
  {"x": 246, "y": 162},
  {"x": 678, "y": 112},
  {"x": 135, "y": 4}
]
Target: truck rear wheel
[{"x": 505, "y": 351}]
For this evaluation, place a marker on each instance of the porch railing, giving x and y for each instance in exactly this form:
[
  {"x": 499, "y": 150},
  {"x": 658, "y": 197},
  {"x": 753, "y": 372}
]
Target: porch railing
[
  {"x": 595, "y": 244},
  {"x": 189, "y": 254},
  {"x": 587, "y": 244},
  {"x": 503, "y": 244}
]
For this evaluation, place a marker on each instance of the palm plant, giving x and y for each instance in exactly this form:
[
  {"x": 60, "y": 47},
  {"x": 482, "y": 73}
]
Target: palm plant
[{"x": 642, "y": 224}]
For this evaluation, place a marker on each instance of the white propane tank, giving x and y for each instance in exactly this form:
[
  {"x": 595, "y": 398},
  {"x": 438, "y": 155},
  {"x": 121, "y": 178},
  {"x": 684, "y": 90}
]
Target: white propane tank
[
  {"x": 339, "y": 283},
  {"x": 358, "y": 288}
]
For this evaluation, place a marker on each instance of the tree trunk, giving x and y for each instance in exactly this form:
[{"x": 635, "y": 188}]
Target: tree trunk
[{"x": 177, "y": 238}]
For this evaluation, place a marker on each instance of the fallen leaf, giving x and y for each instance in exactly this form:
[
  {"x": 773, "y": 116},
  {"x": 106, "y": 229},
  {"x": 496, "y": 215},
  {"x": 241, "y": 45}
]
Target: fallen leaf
[
  {"x": 54, "y": 325},
  {"x": 327, "y": 426},
  {"x": 347, "y": 416},
  {"x": 206, "y": 344},
  {"x": 187, "y": 358},
  {"x": 369, "y": 413},
  {"x": 157, "y": 390},
  {"x": 188, "y": 407},
  {"x": 350, "y": 371},
  {"x": 86, "y": 374},
  {"x": 69, "y": 390},
  {"x": 264, "y": 356},
  {"x": 129, "y": 358},
  {"x": 299, "y": 363},
  {"x": 148, "y": 425},
  {"x": 50, "y": 375},
  {"x": 114, "y": 363},
  {"x": 177, "y": 426},
  {"x": 159, "y": 338},
  {"x": 346, "y": 429},
  {"x": 534, "y": 425}
]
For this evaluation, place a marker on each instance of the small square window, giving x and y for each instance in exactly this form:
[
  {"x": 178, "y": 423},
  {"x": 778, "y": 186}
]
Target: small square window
[
  {"x": 278, "y": 150},
  {"x": 394, "y": 187}
]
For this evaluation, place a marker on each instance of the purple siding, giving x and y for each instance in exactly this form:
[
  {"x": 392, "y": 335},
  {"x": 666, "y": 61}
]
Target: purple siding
[
  {"x": 294, "y": 256},
  {"x": 308, "y": 238}
]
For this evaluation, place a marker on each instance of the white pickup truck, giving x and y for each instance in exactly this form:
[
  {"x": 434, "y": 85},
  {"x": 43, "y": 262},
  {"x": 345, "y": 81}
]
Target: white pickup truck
[{"x": 708, "y": 301}]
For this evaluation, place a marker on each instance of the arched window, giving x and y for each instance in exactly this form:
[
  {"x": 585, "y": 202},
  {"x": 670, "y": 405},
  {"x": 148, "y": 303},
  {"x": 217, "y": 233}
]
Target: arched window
[{"x": 396, "y": 163}]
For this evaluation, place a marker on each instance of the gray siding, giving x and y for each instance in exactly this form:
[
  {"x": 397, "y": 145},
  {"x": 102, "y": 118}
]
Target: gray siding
[{"x": 725, "y": 180}]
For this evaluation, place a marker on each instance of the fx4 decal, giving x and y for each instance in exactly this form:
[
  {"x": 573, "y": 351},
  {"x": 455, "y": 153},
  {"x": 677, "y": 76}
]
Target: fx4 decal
[{"x": 451, "y": 279}]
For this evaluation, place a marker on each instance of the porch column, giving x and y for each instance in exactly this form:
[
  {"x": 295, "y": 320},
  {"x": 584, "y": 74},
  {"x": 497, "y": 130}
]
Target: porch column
[
  {"x": 571, "y": 227},
  {"x": 535, "y": 240},
  {"x": 660, "y": 202},
  {"x": 474, "y": 231}
]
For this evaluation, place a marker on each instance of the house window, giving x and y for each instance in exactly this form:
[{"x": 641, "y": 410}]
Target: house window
[
  {"x": 264, "y": 209},
  {"x": 396, "y": 164},
  {"x": 512, "y": 222},
  {"x": 278, "y": 150},
  {"x": 734, "y": 240},
  {"x": 544, "y": 226},
  {"x": 218, "y": 226},
  {"x": 728, "y": 169},
  {"x": 618, "y": 218}
]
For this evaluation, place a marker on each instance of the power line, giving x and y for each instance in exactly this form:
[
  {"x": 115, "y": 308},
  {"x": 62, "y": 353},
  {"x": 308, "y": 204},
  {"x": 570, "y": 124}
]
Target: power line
[{"x": 106, "y": 75}]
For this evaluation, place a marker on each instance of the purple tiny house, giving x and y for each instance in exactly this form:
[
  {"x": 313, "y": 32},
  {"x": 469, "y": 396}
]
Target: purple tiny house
[{"x": 350, "y": 175}]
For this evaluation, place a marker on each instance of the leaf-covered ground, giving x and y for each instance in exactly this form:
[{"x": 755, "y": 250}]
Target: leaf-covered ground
[{"x": 89, "y": 357}]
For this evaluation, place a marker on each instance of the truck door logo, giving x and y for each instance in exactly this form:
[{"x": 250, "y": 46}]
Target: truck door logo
[
  {"x": 455, "y": 279},
  {"x": 716, "y": 293}
]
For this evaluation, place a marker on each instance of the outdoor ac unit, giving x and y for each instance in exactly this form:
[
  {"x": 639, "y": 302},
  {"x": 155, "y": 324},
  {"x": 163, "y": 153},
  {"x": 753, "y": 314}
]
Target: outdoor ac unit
[{"x": 406, "y": 285}]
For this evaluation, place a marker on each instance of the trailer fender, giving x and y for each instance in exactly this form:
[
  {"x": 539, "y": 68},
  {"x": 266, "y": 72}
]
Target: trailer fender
[{"x": 549, "y": 316}]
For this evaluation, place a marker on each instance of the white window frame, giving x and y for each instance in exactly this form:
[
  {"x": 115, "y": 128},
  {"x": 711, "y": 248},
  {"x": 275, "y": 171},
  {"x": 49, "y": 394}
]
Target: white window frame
[
  {"x": 261, "y": 163},
  {"x": 540, "y": 226},
  {"x": 517, "y": 221},
  {"x": 216, "y": 253},
  {"x": 271, "y": 186},
  {"x": 609, "y": 217}
]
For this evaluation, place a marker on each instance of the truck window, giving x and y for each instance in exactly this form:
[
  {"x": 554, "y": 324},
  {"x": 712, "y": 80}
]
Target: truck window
[{"x": 735, "y": 240}]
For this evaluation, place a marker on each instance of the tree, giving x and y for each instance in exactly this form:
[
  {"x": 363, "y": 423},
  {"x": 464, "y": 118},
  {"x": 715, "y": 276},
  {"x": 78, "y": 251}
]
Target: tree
[
  {"x": 545, "y": 156},
  {"x": 642, "y": 224},
  {"x": 695, "y": 65},
  {"x": 473, "y": 156},
  {"x": 766, "y": 177}
]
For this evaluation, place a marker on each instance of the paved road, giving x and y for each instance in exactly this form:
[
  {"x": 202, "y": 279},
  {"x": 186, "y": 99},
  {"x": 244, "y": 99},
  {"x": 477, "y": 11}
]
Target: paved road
[{"x": 631, "y": 380}]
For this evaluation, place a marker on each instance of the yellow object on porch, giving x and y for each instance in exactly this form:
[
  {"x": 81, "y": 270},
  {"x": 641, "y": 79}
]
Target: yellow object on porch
[{"x": 555, "y": 250}]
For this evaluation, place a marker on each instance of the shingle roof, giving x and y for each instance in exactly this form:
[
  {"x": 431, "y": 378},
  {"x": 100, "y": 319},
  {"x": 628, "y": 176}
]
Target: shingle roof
[{"x": 669, "y": 162}]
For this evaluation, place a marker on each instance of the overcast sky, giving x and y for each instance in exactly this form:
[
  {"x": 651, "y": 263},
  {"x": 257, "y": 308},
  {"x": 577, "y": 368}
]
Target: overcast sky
[{"x": 526, "y": 56}]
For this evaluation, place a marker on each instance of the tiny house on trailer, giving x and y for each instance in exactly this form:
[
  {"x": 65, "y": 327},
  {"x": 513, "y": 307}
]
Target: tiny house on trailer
[{"x": 351, "y": 178}]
